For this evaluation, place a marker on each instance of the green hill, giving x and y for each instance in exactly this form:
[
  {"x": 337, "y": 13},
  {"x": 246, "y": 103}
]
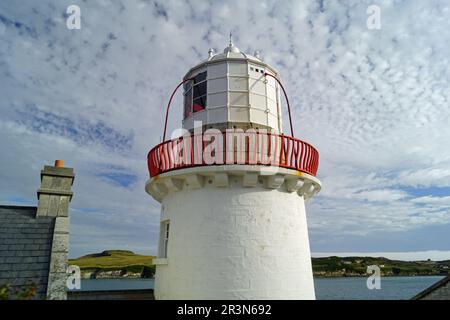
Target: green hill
[
  {"x": 115, "y": 263},
  {"x": 357, "y": 266}
]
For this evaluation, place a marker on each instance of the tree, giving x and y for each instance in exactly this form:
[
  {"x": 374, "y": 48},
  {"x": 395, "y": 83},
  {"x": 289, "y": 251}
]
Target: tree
[{"x": 396, "y": 271}]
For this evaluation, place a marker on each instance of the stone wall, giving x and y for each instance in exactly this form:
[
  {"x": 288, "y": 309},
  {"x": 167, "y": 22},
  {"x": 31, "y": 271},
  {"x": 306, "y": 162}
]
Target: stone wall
[
  {"x": 146, "y": 294},
  {"x": 438, "y": 291},
  {"x": 56, "y": 289}
]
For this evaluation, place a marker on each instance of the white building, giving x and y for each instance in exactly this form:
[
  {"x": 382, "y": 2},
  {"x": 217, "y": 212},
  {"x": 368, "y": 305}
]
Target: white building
[{"x": 233, "y": 222}]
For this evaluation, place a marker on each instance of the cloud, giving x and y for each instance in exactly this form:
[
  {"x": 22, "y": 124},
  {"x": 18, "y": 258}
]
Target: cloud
[
  {"x": 433, "y": 200},
  {"x": 373, "y": 102},
  {"x": 383, "y": 195},
  {"x": 81, "y": 131},
  {"x": 431, "y": 176}
]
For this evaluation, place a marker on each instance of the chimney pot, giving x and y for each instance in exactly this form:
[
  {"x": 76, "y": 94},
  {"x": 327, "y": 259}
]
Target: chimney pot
[{"x": 59, "y": 163}]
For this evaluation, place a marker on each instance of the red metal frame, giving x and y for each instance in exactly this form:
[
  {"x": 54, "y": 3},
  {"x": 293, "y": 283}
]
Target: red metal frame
[
  {"x": 170, "y": 102},
  {"x": 284, "y": 151},
  {"x": 287, "y": 100},
  {"x": 188, "y": 79},
  {"x": 292, "y": 153}
]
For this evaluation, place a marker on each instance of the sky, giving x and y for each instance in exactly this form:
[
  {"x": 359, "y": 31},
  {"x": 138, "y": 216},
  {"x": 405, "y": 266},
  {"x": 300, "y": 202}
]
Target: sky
[{"x": 374, "y": 102}]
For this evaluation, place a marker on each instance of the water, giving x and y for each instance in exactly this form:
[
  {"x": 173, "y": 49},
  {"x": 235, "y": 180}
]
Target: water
[
  {"x": 392, "y": 288},
  {"x": 116, "y": 284}
]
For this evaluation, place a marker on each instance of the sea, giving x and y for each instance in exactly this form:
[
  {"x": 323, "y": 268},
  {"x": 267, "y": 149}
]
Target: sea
[{"x": 351, "y": 288}]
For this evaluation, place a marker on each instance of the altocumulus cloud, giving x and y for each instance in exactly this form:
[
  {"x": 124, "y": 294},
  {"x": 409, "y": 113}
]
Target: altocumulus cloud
[{"x": 374, "y": 102}]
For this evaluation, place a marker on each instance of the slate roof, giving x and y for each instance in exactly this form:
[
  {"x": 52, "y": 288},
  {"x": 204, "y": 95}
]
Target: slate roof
[
  {"x": 25, "y": 248},
  {"x": 433, "y": 291}
]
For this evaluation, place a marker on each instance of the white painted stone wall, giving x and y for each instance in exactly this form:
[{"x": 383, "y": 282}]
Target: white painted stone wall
[{"x": 235, "y": 243}]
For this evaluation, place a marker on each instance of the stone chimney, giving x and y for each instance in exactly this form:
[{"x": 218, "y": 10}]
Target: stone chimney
[
  {"x": 55, "y": 193},
  {"x": 54, "y": 197}
]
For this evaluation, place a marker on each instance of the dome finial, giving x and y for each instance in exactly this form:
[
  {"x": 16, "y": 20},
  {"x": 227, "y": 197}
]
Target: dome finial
[{"x": 231, "y": 47}]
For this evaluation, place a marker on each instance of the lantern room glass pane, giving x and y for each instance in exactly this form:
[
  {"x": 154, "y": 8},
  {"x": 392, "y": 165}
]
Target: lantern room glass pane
[
  {"x": 200, "y": 77},
  {"x": 199, "y": 104},
  {"x": 199, "y": 90},
  {"x": 188, "y": 103},
  {"x": 195, "y": 94}
]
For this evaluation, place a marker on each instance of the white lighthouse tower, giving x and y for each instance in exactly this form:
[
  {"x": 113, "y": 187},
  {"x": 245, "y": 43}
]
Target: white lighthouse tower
[{"x": 233, "y": 188}]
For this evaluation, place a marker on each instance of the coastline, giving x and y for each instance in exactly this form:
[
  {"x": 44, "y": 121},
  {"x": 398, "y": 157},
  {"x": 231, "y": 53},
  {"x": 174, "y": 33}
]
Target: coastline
[
  {"x": 382, "y": 275},
  {"x": 118, "y": 274},
  {"x": 315, "y": 276},
  {"x": 123, "y": 264}
]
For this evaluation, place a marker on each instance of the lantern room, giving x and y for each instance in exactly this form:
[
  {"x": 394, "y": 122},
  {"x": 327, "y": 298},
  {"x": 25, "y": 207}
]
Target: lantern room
[{"x": 231, "y": 90}]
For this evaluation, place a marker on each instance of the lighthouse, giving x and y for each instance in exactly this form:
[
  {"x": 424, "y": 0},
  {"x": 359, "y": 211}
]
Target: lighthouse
[{"x": 232, "y": 187}]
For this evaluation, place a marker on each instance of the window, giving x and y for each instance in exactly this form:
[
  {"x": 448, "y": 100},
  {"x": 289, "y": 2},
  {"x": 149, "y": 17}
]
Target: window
[
  {"x": 187, "y": 99},
  {"x": 199, "y": 96},
  {"x": 164, "y": 239},
  {"x": 195, "y": 94},
  {"x": 258, "y": 70}
]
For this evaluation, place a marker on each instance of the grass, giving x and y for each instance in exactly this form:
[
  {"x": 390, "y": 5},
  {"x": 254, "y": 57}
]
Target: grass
[{"x": 110, "y": 260}]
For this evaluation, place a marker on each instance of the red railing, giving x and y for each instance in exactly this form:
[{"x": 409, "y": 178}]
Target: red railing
[{"x": 222, "y": 148}]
